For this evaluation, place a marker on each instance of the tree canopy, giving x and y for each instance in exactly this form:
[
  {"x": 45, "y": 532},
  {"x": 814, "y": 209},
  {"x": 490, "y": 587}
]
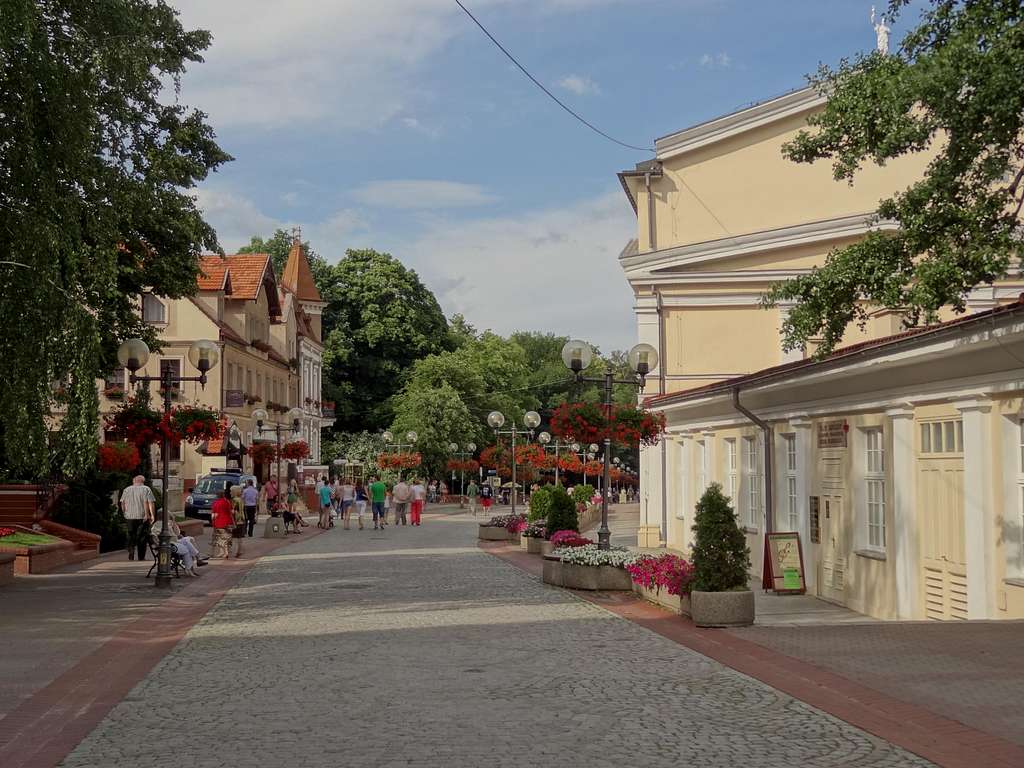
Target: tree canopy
[
  {"x": 279, "y": 245},
  {"x": 95, "y": 173},
  {"x": 954, "y": 87}
]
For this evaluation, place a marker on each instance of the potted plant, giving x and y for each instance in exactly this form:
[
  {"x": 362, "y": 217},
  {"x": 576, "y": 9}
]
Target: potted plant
[
  {"x": 561, "y": 511},
  {"x": 502, "y": 528},
  {"x": 535, "y": 538},
  {"x": 664, "y": 579},
  {"x": 587, "y": 567},
  {"x": 721, "y": 595}
]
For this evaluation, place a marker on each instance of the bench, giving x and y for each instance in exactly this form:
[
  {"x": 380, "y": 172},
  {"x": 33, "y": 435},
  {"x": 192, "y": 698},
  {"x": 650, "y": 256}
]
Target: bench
[{"x": 177, "y": 563}]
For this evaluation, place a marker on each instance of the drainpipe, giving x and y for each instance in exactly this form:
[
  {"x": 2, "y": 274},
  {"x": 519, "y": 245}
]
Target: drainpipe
[
  {"x": 661, "y": 389},
  {"x": 769, "y": 458},
  {"x": 651, "y": 244}
]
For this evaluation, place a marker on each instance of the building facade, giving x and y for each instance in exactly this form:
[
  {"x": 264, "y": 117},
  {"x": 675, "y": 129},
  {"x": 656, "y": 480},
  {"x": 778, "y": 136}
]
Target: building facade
[{"x": 847, "y": 452}]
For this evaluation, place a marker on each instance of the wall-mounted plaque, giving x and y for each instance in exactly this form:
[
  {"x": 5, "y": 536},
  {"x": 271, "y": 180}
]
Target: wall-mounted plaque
[
  {"x": 815, "y": 517},
  {"x": 832, "y": 434},
  {"x": 234, "y": 398}
]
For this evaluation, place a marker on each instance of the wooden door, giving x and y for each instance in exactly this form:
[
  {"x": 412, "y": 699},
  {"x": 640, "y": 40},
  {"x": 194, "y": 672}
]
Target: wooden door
[
  {"x": 940, "y": 509},
  {"x": 832, "y": 570}
]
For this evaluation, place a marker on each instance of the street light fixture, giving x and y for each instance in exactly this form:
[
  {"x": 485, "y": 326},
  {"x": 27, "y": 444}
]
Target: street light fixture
[
  {"x": 133, "y": 354},
  {"x": 643, "y": 358},
  {"x": 453, "y": 448},
  {"x": 496, "y": 420},
  {"x": 544, "y": 439},
  {"x": 389, "y": 443},
  {"x": 260, "y": 416}
]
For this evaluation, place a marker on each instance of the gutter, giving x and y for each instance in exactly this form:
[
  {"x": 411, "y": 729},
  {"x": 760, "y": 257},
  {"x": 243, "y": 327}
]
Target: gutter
[
  {"x": 661, "y": 389},
  {"x": 769, "y": 458}
]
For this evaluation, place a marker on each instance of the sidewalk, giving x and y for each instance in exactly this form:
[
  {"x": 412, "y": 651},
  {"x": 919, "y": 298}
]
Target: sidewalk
[{"x": 76, "y": 641}]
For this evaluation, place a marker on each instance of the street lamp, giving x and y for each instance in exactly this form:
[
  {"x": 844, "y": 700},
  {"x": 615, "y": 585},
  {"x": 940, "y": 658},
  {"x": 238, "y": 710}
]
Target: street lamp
[
  {"x": 496, "y": 420},
  {"x": 544, "y": 439},
  {"x": 133, "y": 354},
  {"x": 389, "y": 442},
  {"x": 453, "y": 448},
  {"x": 643, "y": 358},
  {"x": 259, "y": 416}
]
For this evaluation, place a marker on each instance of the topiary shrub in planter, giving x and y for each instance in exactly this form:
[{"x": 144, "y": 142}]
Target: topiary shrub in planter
[
  {"x": 562, "y": 512},
  {"x": 540, "y": 503},
  {"x": 720, "y": 596}
]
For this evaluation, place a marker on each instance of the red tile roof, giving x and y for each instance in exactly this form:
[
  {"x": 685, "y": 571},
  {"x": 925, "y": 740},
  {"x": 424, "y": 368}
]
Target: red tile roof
[
  {"x": 245, "y": 271},
  {"x": 297, "y": 277}
]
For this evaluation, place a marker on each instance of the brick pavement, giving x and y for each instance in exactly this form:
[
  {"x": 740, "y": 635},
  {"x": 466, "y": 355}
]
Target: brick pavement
[{"x": 413, "y": 647}]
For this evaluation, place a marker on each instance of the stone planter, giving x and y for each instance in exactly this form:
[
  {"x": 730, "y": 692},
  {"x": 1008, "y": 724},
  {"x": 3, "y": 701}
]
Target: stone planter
[
  {"x": 537, "y": 546},
  {"x": 595, "y": 577},
  {"x": 552, "y": 570},
  {"x": 40, "y": 558},
  {"x": 676, "y": 603},
  {"x": 514, "y": 539},
  {"x": 492, "y": 533},
  {"x": 722, "y": 609}
]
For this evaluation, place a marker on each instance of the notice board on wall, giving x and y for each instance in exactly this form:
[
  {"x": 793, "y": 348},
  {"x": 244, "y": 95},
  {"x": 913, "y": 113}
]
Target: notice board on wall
[{"x": 784, "y": 563}]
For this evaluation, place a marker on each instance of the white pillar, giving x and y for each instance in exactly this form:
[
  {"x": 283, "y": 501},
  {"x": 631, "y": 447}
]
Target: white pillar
[
  {"x": 649, "y": 533},
  {"x": 904, "y": 546},
  {"x": 978, "y": 526},
  {"x": 714, "y": 474},
  {"x": 804, "y": 435}
]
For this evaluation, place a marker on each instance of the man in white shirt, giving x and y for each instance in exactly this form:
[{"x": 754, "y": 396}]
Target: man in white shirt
[
  {"x": 419, "y": 497},
  {"x": 402, "y": 495},
  {"x": 138, "y": 505}
]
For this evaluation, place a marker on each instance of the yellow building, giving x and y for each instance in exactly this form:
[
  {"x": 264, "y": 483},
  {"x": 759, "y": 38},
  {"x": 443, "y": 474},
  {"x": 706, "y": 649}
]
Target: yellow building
[
  {"x": 270, "y": 345},
  {"x": 898, "y": 459}
]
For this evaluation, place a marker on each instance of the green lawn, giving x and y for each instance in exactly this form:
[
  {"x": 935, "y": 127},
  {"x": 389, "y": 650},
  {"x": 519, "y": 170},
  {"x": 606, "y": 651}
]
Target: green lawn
[{"x": 21, "y": 539}]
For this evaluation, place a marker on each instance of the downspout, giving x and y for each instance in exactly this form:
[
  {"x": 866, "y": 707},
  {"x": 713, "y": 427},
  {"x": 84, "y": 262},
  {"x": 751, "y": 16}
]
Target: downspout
[
  {"x": 661, "y": 390},
  {"x": 769, "y": 458},
  {"x": 651, "y": 238}
]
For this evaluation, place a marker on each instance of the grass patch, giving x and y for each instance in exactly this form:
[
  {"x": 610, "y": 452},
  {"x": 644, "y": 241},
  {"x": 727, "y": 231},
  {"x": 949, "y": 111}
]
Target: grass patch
[{"x": 21, "y": 539}]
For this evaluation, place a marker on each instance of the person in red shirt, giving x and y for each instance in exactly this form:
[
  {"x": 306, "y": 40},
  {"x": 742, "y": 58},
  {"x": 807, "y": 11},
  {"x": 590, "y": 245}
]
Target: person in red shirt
[{"x": 223, "y": 520}]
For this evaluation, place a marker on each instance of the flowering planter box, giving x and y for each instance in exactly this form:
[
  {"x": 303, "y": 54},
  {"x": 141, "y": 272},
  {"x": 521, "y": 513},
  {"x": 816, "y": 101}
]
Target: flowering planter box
[
  {"x": 493, "y": 533},
  {"x": 595, "y": 577},
  {"x": 722, "y": 609},
  {"x": 537, "y": 546},
  {"x": 676, "y": 603}
]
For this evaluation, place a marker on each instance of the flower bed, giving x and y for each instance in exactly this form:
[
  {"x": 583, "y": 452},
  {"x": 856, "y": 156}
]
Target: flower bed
[
  {"x": 664, "y": 580},
  {"x": 567, "y": 539},
  {"x": 36, "y": 552},
  {"x": 590, "y": 568},
  {"x": 502, "y": 528}
]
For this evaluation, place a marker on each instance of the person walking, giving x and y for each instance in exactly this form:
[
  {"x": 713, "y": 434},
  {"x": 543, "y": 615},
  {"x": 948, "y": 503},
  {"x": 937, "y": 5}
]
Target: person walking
[
  {"x": 250, "y": 501},
  {"x": 402, "y": 495},
  {"x": 419, "y": 497},
  {"x": 388, "y": 503},
  {"x": 324, "y": 497},
  {"x": 272, "y": 491},
  {"x": 223, "y": 521},
  {"x": 486, "y": 494},
  {"x": 240, "y": 518},
  {"x": 348, "y": 499},
  {"x": 138, "y": 505},
  {"x": 378, "y": 495},
  {"x": 361, "y": 499},
  {"x": 472, "y": 492}
]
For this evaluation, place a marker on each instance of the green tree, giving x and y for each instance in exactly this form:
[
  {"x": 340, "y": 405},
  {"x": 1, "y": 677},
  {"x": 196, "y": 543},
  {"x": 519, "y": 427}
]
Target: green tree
[
  {"x": 561, "y": 512},
  {"x": 953, "y": 86},
  {"x": 95, "y": 173},
  {"x": 279, "y": 245},
  {"x": 439, "y": 417},
  {"x": 379, "y": 319},
  {"x": 721, "y": 558}
]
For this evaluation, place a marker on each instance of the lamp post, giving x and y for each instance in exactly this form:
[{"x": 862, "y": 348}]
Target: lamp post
[
  {"x": 496, "y": 420},
  {"x": 133, "y": 354},
  {"x": 453, "y": 448},
  {"x": 643, "y": 358},
  {"x": 259, "y": 416},
  {"x": 544, "y": 439},
  {"x": 389, "y": 443}
]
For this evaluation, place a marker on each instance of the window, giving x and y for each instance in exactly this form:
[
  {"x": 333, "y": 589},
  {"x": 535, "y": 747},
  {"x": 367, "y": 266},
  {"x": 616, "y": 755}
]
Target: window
[
  {"x": 153, "y": 310},
  {"x": 752, "y": 469},
  {"x": 115, "y": 379},
  {"x": 702, "y": 466},
  {"x": 731, "y": 465},
  {"x": 792, "y": 512},
  {"x": 942, "y": 436},
  {"x": 874, "y": 486}
]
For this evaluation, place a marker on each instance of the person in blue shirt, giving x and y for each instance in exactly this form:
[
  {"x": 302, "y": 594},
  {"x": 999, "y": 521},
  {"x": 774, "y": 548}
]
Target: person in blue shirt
[{"x": 325, "y": 506}]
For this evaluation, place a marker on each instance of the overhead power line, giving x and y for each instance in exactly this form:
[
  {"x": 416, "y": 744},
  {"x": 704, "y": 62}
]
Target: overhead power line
[{"x": 540, "y": 85}]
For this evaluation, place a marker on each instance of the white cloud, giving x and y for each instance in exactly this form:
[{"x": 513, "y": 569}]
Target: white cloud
[
  {"x": 579, "y": 84},
  {"x": 290, "y": 198},
  {"x": 551, "y": 270},
  {"x": 422, "y": 194},
  {"x": 414, "y": 124},
  {"x": 721, "y": 60}
]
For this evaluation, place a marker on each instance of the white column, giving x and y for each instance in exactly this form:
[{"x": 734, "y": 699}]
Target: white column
[
  {"x": 687, "y": 478},
  {"x": 978, "y": 526},
  {"x": 904, "y": 545},
  {"x": 714, "y": 471},
  {"x": 804, "y": 434},
  {"x": 649, "y": 533}
]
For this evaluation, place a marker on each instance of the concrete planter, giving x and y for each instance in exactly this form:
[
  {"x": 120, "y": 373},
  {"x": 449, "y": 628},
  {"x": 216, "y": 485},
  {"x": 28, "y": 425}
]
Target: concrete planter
[
  {"x": 595, "y": 577},
  {"x": 552, "y": 570},
  {"x": 492, "y": 533},
  {"x": 537, "y": 546},
  {"x": 722, "y": 609},
  {"x": 676, "y": 603},
  {"x": 514, "y": 539}
]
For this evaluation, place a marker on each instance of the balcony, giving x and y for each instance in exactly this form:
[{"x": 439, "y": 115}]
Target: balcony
[{"x": 327, "y": 409}]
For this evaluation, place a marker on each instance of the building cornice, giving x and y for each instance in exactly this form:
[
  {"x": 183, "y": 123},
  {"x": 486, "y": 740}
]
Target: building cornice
[
  {"x": 720, "y": 128},
  {"x": 655, "y": 264}
]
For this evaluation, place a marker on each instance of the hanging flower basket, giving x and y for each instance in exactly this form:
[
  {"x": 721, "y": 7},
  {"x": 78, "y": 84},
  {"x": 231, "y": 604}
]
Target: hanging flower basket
[
  {"x": 262, "y": 453},
  {"x": 136, "y": 422},
  {"x": 534, "y": 456},
  {"x": 570, "y": 463},
  {"x": 118, "y": 457},
  {"x": 470, "y": 465},
  {"x": 399, "y": 460},
  {"x": 193, "y": 424},
  {"x": 594, "y": 467},
  {"x": 295, "y": 451},
  {"x": 588, "y": 423},
  {"x": 493, "y": 455}
]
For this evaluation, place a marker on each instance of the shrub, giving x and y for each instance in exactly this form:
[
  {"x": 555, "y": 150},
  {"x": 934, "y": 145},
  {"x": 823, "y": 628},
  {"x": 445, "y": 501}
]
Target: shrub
[
  {"x": 582, "y": 494},
  {"x": 562, "y": 512},
  {"x": 87, "y": 505},
  {"x": 568, "y": 539},
  {"x": 721, "y": 558},
  {"x": 540, "y": 503},
  {"x": 669, "y": 572}
]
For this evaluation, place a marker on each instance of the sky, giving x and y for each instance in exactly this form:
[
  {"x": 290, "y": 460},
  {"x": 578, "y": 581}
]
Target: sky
[{"x": 397, "y": 125}]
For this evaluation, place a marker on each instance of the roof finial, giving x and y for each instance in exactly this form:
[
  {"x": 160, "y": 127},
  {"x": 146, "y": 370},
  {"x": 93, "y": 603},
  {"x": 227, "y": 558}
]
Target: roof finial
[
  {"x": 297, "y": 234},
  {"x": 881, "y": 32}
]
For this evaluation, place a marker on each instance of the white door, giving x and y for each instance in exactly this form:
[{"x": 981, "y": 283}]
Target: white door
[{"x": 832, "y": 572}]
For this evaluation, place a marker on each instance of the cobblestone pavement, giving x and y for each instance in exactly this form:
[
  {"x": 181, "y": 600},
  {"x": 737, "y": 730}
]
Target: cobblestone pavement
[{"x": 411, "y": 647}]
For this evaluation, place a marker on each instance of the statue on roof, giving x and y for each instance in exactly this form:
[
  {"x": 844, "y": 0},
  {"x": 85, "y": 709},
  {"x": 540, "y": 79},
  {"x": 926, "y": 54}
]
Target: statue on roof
[{"x": 881, "y": 32}]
